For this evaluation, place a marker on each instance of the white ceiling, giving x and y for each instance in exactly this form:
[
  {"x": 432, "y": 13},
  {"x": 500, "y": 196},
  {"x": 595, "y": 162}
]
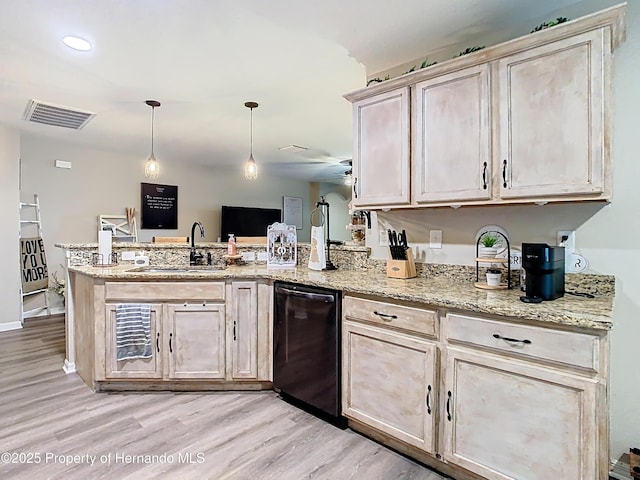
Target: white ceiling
[{"x": 202, "y": 59}]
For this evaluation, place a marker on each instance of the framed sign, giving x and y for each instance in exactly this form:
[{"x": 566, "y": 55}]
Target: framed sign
[
  {"x": 292, "y": 211},
  {"x": 159, "y": 206}
]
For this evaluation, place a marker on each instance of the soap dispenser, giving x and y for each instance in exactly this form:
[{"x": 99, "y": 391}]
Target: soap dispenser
[{"x": 231, "y": 245}]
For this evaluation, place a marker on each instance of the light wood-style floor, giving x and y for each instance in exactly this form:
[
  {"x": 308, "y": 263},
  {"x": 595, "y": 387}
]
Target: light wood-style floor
[{"x": 47, "y": 418}]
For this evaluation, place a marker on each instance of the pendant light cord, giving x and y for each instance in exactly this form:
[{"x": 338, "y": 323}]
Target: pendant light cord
[
  {"x": 153, "y": 114},
  {"x": 251, "y": 152}
]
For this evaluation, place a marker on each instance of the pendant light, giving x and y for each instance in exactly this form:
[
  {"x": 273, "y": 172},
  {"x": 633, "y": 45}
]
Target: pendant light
[
  {"x": 250, "y": 168},
  {"x": 152, "y": 168}
]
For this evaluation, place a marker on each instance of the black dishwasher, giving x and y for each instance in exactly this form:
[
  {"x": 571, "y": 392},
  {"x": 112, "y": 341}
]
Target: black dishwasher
[{"x": 306, "y": 348}]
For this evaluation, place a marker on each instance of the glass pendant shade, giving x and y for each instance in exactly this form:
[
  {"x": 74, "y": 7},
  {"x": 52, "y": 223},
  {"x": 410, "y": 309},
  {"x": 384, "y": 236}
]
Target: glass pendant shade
[
  {"x": 152, "y": 167},
  {"x": 251, "y": 168}
]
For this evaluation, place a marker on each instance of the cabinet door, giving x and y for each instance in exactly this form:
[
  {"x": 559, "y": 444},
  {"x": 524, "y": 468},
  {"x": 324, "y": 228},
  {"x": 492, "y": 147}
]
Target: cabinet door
[
  {"x": 508, "y": 420},
  {"x": 195, "y": 340},
  {"x": 244, "y": 330},
  {"x": 388, "y": 383},
  {"x": 138, "y": 367},
  {"x": 552, "y": 134},
  {"x": 381, "y": 149},
  {"x": 451, "y": 145}
]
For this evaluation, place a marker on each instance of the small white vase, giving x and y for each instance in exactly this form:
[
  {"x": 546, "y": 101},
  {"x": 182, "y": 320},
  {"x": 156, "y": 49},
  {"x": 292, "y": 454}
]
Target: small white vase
[{"x": 493, "y": 279}]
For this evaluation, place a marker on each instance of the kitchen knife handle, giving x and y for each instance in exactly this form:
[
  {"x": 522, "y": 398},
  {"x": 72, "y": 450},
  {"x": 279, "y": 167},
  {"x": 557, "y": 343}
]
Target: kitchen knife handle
[
  {"x": 484, "y": 176},
  {"x": 355, "y": 190},
  {"x": 504, "y": 173}
]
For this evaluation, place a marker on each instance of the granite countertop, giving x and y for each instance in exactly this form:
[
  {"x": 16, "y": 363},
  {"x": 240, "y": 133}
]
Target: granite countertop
[{"x": 581, "y": 312}]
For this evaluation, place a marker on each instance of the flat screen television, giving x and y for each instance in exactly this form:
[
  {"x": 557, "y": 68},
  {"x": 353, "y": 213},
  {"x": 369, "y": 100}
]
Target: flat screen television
[{"x": 247, "y": 221}]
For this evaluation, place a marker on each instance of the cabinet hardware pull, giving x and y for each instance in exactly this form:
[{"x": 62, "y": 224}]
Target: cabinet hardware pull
[
  {"x": 449, "y": 405},
  {"x": 504, "y": 173},
  {"x": 170, "y": 347},
  {"x": 508, "y": 339},
  {"x": 385, "y": 316},
  {"x": 484, "y": 176},
  {"x": 234, "y": 329},
  {"x": 428, "y": 396},
  {"x": 355, "y": 191},
  {"x": 158, "y": 342}
]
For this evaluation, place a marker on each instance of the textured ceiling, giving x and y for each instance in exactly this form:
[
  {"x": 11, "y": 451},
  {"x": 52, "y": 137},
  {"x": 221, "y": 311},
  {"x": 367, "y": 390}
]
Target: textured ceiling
[{"x": 202, "y": 59}]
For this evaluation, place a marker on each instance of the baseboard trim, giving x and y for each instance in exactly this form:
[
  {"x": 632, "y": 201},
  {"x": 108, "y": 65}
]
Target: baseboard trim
[
  {"x": 5, "y": 327},
  {"x": 42, "y": 312},
  {"x": 69, "y": 367}
]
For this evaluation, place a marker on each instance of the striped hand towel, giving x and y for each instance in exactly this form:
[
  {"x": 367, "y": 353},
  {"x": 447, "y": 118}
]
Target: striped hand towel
[{"x": 133, "y": 331}]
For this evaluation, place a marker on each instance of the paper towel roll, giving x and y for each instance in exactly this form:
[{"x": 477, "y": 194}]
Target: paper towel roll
[{"x": 104, "y": 246}]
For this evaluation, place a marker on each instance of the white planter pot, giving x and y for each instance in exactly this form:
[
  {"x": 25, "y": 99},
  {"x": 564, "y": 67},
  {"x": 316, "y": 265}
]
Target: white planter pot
[
  {"x": 493, "y": 279},
  {"x": 487, "y": 252}
]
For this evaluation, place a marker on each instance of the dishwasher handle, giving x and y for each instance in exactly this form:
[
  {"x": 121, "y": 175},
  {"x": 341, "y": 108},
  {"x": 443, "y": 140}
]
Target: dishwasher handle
[{"x": 320, "y": 297}]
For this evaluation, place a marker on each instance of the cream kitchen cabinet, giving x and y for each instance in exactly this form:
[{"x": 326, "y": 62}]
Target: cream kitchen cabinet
[
  {"x": 249, "y": 330},
  {"x": 522, "y": 402},
  {"x": 526, "y": 121},
  {"x": 188, "y": 337},
  {"x": 451, "y": 151},
  {"x": 388, "y": 376},
  {"x": 381, "y": 154},
  {"x": 552, "y": 105}
]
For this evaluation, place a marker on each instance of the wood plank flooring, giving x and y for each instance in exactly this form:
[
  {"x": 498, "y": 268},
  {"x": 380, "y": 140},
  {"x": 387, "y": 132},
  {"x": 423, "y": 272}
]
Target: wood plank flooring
[{"x": 48, "y": 417}]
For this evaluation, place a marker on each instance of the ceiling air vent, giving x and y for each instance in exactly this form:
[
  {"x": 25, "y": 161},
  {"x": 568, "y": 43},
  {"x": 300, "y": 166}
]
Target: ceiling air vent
[{"x": 56, "y": 115}]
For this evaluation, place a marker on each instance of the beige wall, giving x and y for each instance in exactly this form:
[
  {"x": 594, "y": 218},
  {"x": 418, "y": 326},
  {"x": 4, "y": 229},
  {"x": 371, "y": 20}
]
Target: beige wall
[
  {"x": 606, "y": 234},
  {"x": 101, "y": 182},
  {"x": 9, "y": 217}
]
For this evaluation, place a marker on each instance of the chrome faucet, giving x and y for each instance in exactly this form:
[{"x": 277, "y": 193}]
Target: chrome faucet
[{"x": 193, "y": 256}]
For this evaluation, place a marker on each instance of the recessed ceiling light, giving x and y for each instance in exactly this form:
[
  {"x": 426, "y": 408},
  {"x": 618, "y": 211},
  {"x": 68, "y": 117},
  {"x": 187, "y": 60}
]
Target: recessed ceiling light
[{"x": 77, "y": 43}]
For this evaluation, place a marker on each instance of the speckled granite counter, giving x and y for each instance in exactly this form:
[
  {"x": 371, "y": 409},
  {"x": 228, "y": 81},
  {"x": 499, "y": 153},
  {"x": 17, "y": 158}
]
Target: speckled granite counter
[{"x": 571, "y": 311}]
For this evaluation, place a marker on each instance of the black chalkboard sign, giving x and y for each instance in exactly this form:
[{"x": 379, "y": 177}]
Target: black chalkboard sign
[{"x": 159, "y": 206}]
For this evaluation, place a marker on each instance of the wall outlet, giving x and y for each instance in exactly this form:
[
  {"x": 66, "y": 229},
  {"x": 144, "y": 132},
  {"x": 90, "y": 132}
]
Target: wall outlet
[
  {"x": 248, "y": 256},
  {"x": 569, "y": 243},
  {"x": 262, "y": 256},
  {"x": 128, "y": 255},
  {"x": 435, "y": 238},
  {"x": 383, "y": 238}
]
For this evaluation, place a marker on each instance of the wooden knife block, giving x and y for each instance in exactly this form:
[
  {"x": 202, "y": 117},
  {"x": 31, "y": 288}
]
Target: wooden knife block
[{"x": 402, "y": 268}]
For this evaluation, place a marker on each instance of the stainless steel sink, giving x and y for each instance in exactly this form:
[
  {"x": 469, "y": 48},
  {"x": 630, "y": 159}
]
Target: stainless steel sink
[{"x": 189, "y": 269}]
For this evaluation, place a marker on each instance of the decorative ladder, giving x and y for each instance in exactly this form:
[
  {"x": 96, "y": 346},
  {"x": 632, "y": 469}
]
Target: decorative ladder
[{"x": 32, "y": 211}]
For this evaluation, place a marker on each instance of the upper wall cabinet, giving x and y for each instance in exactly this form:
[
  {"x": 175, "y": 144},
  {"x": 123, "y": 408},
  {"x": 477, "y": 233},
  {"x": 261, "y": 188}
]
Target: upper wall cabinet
[
  {"x": 381, "y": 152},
  {"x": 551, "y": 114},
  {"x": 451, "y": 155},
  {"x": 521, "y": 122}
]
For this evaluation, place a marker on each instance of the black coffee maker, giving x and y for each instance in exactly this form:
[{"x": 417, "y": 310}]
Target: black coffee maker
[{"x": 544, "y": 266}]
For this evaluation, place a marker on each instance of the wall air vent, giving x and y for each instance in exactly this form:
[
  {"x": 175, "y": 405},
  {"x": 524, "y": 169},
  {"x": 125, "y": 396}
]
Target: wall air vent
[{"x": 56, "y": 115}]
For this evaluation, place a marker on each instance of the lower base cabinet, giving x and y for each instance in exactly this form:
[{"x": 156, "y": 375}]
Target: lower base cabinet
[
  {"x": 480, "y": 398},
  {"x": 221, "y": 332},
  {"x": 388, "y": 383},
  {"x": 507, "y": 420}
]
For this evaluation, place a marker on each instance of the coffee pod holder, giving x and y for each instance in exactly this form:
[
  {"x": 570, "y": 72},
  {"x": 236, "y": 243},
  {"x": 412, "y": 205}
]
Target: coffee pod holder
[
  {"x": 480, "y": 260},
  {"x": 402, "y": 268}
]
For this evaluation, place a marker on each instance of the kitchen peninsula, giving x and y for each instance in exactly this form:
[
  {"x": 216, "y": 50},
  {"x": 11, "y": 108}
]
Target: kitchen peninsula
[{"x": 479, "y": 372}]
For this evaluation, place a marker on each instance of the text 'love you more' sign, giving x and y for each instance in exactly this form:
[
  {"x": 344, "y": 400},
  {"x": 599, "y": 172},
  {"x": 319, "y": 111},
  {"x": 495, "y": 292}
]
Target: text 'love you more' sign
[{"x": 34, "y": 264}]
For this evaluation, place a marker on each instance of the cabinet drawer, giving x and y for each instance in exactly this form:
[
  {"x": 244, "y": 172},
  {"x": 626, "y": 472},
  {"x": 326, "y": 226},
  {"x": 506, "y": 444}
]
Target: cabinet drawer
[
  {"x": 416, "y": 320},
  {"x": 575, "y": 349},
  {"x": 165, "y": 291}
]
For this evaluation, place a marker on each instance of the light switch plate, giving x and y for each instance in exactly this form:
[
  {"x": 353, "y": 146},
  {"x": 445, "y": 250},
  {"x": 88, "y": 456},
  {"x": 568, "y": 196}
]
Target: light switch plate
[
  {"x": 435, "y": 238},
  {"x": 128, "y": 255}
]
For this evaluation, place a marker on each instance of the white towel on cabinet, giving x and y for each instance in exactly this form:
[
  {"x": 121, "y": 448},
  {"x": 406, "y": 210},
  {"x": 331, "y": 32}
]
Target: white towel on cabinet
[{"x": 133, "y": 331}]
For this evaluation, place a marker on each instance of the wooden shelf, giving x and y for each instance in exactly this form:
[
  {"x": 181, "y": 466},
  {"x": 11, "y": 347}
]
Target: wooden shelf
[
  {"x": 484, "y": 286},
  {"x": 491, "y": 260}
]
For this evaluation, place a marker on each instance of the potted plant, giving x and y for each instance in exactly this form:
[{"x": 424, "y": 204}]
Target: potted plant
[
  {"x": 488, "y": 245},
  {"x": 57, "y": 287},
  {"x": 493, "y": 277}
]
